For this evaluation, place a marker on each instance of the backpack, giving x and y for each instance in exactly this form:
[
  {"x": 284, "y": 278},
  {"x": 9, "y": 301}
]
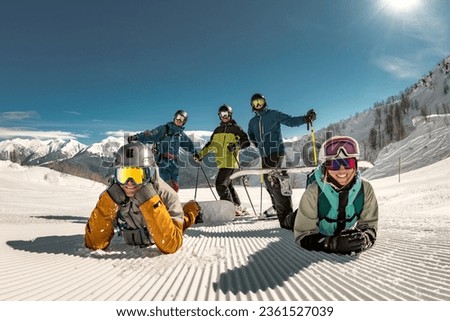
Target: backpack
[{"x": 323, "y": 205}]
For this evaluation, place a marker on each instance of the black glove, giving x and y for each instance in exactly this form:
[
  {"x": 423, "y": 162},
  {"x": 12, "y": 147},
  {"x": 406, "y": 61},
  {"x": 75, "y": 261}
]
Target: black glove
[
  {"x": 117, "y": 194},
  {"x": 145, "y": 193},
  {"x": 132, "y": 138},
  {"x": 310, "y": 116},
  {"x": 346, "y": 242},
  {"x": 197, "y": 158},
  {"x": 231, "y": 147}
]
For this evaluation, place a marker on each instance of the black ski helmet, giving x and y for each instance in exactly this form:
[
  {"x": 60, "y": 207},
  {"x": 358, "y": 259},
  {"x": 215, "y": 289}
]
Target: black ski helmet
[
  {"x": 258, "y": 96},
  {"x": 226, "y": 108},
  {"x": 134, "y": 154},
  {"x": 181, "y": 113}
]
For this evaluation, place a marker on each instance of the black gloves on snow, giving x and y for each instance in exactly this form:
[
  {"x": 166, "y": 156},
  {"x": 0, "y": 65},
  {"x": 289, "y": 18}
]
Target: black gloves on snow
[
  {"x": 117, "y": 194},
  {"x": 231, "y": 147},
  {"x": 310, "y": 116},
  {"x": 145, "y": 193},
  {"x": 132, "y": 138},
  {"x": 347, "y": 241}
]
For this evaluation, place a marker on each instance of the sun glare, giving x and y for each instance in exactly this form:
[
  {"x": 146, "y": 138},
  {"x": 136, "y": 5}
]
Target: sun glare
[{"x": 401, "y": 5}]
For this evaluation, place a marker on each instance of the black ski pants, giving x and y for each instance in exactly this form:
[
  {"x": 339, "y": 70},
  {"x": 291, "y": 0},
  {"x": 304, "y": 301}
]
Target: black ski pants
[
  {"x": 281, "y": 203},
  {"x": 224, "y": 186}
]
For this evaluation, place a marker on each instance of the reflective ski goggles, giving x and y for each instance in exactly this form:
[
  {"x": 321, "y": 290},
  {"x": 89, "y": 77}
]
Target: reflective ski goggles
[
  {"x": 224, "y": 114},
  {"x": 258, "y": 102},
  {"x": 347, "y": 145},
  {"x": 138, "y": 175},
  {"x": 335, "y": 164},
  {"x": 180, "y": 118}
]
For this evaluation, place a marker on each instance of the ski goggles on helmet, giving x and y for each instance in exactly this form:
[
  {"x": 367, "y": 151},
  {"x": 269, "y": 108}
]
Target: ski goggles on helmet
[
  {"x": 258, "y": 102},
  {"x": 335, "y": 164},
  {"x": 346, "y": 145},
  {"x": 181, "y": 118},
  {"x": 224, "y": 114},
  {"x": 138, "y": 175}
]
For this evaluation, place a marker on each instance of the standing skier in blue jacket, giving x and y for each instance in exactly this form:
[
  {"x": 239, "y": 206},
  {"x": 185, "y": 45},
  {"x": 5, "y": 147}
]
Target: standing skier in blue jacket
[
  {"x": 264, "y": 131},
  {"x": 167, "y": 140}
]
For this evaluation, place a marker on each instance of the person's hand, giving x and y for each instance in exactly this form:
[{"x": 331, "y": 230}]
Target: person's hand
[
  {"x": 310, "y": 116},
  {"x": 117, "y": 194},
  {"x": 231, "y": 147},
  {"x": 347, "y": 241},
  {"x": 145, "y": 193},
  {"x": 197, "y": 158},
  {"x": 132, "y": 138}
]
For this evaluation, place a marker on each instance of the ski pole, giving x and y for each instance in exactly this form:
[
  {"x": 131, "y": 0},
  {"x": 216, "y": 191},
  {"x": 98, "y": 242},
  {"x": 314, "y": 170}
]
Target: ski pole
[
  {"x": 313, "y": 140},
  {"x": 209, "y": 184},
  {"x": 243, "y": 183},
  {"x": 261, "y": 178},
  {"x": 196, "y": 182}
]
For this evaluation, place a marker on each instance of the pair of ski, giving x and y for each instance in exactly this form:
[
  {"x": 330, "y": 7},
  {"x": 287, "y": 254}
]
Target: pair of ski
[{"x": 274, "y": 173}]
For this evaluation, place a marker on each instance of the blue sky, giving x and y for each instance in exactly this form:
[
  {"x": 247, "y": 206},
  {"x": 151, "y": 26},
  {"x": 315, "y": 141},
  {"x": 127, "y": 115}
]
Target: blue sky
[{"x": 88, "y": 69}]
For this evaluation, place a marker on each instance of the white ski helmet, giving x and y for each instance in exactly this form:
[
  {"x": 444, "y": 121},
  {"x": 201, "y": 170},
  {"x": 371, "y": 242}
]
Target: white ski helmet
[{"x": 339, "y": 147}]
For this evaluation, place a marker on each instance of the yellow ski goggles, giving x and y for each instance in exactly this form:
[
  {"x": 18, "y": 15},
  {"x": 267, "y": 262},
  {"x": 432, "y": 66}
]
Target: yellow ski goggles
[
  {"x": 138, "y": 175},
  {"x": 258, "y": 102}
]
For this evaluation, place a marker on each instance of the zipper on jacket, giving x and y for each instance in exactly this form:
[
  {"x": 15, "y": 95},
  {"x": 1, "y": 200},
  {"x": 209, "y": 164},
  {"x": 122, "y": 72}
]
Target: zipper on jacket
[
  {"x": 261, "y": 128},
  {"x": 225, "y": 136}
]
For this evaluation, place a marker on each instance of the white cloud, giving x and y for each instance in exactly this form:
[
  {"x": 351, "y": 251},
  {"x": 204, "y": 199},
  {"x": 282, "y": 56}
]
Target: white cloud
[
  {"x": 72, "y": 112},
  {"x": 119, "y": 133},
  {"x": 398, "y": 67},
  {"x": 23, "y": 132},
  {"x": 17, "y": 115}
]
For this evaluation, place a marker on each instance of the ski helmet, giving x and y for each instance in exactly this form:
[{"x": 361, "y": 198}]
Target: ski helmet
[
  {"x": 257, "y": 96},
  {"x": 181, "y": 113},
  {"x": 134, "y": 154},
  {"x": 225, "y": 108},
  {"x": 339, "y": 147}
]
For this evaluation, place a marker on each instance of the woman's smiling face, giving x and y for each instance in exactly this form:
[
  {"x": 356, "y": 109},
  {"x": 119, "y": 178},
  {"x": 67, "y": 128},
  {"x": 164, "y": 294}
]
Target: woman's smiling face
[{"x": 342, "y": 176}]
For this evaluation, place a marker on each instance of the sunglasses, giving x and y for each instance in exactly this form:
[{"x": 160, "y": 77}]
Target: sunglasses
[
  {"x": 347, "y": 145},
  {"x": 258, "y": 102},
  {"x": 335, "y": 164},
  {"x": 138, "y": 175}
]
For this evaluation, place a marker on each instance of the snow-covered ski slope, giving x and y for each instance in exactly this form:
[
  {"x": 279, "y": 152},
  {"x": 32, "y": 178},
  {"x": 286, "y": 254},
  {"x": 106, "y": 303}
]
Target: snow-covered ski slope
[{"x": 42, "y": 217}]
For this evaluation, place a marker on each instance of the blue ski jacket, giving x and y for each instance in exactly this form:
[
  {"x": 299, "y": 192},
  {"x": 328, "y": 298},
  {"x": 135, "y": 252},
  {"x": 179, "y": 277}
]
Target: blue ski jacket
[
  {"x": 168, "y": 138},
  {"x": 264, "y": 130}
]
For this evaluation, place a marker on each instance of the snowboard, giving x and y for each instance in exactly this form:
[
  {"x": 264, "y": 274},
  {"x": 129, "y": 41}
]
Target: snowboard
[
  {"x": 219, "y": 211},
  {"x": 271, "y": 171}
]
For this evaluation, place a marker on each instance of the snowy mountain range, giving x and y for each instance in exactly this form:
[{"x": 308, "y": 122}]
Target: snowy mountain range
[
  {"x": 73, "y": 157},
  {"x": 381, "y": 129}
]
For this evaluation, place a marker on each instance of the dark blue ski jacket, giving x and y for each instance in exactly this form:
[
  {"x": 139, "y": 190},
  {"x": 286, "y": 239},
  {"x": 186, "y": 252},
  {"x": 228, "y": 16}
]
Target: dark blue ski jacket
[
  {"x": 168, "y": 138},
  {"x": 264, "y": 130}
]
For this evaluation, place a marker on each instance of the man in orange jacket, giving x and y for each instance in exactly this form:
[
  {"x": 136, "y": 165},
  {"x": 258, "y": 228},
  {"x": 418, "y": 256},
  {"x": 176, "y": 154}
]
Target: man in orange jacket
[{"x": 140, "y": 204}]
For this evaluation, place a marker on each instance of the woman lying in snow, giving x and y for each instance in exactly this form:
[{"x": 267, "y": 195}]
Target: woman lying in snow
[{"x": 338, "y": 212}]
